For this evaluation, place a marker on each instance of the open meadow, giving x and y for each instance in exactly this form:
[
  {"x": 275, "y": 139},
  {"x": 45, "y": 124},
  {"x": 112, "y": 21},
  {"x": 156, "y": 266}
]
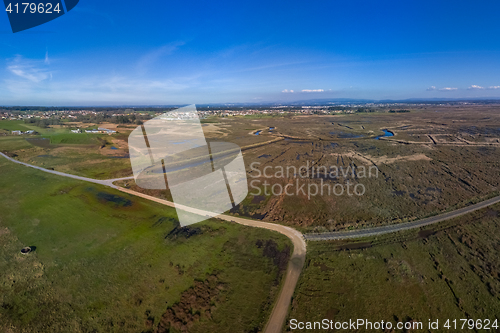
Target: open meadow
[{"x": 97, "y": 156}]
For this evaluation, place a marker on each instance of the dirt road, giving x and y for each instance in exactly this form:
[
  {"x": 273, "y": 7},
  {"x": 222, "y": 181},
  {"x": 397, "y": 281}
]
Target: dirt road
[{"x": 280, "y": 310}]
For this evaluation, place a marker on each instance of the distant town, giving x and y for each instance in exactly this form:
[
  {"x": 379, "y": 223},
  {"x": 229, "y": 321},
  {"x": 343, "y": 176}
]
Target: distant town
[
  {"x": 75, "y": 118},
  {"x": 131, "y": 114}
]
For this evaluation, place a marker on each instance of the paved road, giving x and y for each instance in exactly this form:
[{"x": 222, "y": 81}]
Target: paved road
[
  {"x": 402, "y": 226},
  {"x": 280, "y": 310}
]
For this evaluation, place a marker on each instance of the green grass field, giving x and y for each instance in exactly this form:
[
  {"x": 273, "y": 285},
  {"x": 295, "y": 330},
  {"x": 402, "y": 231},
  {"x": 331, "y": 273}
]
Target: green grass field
[
  {"x": 56, "y": 135},
  {"x": 12, "y": 143},
  {"x": 73, "y": 138},
  {"x": 450, "y": 271},
  {"x": 104, "y": 261},
  {"x": 13, "y": 125},
  {"x": 78, "y": 154}
]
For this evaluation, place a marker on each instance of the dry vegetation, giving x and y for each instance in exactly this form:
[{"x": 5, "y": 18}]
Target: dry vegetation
[
  {"x": 418, "y": 176},
  {"x": 439, "y": 158},
  {"x": 450, "y": 271}
]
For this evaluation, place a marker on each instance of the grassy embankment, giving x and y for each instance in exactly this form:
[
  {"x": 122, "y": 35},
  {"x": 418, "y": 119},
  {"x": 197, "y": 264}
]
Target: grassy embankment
[{"x": 104, "y": 261}]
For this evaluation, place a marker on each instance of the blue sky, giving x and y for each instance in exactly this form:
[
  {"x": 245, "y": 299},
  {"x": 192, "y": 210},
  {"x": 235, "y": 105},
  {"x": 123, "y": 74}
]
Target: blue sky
[{"x": 164, "y": 52}]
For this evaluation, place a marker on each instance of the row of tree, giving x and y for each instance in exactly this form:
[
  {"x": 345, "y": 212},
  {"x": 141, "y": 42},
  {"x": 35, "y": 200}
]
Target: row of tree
[
  {"x": 99, "y": 118},
  {"x": 42, "y": 123},
  {"x": 398, "y": 111}
]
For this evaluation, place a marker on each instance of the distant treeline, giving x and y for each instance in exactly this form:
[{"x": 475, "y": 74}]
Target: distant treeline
[
  {"x": 42, "y": 123},
  {"x": 137, "y": 119},
  {"x": 112, "y": 110},
  {"x": 398, "y": 111},
  {"x": 346, "y": 108},
  {"x": 361, "y": 110},
  {"x": 96, "y": 119}
]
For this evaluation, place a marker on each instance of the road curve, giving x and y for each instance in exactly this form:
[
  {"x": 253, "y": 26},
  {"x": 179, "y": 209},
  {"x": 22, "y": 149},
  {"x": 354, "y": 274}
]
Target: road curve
[
  {"x": 280, "y": 310},
  {"x": 401, "y": 226}
]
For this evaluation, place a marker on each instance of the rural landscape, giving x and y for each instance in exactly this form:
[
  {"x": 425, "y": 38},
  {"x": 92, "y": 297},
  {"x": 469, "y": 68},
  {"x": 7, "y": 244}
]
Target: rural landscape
[
  {"x": 249, "y": 166},
  {"x": 108, "y": 260}
]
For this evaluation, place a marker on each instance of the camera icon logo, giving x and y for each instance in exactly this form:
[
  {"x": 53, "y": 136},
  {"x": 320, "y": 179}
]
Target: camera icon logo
[{"x": 171, "y": 151}]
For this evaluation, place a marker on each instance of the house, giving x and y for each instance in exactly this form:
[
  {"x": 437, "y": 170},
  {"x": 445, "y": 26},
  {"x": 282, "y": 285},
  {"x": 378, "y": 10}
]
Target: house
[
  {"x": 17, "y": 132},
  {"x": 76, "y": 131},
  {"x": 29, "y": 132},
  {"x": 105, "y": 130}
]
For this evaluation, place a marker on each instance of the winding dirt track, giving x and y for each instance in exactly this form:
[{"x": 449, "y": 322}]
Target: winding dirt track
[{"x": 280, "y": 310}]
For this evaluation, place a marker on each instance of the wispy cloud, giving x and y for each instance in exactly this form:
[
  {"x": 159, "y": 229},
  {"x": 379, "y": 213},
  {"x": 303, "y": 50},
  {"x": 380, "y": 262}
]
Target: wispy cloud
[
  {"x": 47, "y": 60},
  {"x": 31, "y": 70},
  {"x": 304, "y": 91},
  {"x": 431, "y": 88},
  {"x": 150, "y": 58},
  {"x": 312, "y": 90},
  {"x": 113, "y": 89},
  {"x": 494, "y": 87},
  {"x": 475, "y": 87}
]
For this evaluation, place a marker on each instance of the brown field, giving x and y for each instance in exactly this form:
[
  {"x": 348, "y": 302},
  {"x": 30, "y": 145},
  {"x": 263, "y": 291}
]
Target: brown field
[
  {"x": 418, "y": 176},
  {"x": 448, "y": 271},
  {"x": 440, "y": 158}
]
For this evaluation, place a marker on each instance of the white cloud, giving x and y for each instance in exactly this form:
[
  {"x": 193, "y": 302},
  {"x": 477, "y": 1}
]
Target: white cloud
[
  {"x": 475, "y": 87},
  {"x": 102, "y": 89},
  {"x": 494, "y": 87},
  {"x": 31, "y": 70},
  {"x": 433, "y": 88},
  {"x": 287, "y": 91},
  {"x": 47, "y": 60},
  {"x": 312, "y": 90}
]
